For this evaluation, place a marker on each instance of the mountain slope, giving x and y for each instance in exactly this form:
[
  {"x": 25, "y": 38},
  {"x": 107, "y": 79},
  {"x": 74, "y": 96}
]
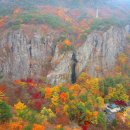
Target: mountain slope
[
  {"x": 33, "y": 35},
  {"x": 99, "y": 51},
  {"x": 23, "y": 57}
]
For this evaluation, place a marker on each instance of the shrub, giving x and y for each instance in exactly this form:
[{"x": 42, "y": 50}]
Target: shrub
[
  {"x": 118, "y": 93},
  {"x": 26, "y": 18},
  {"x": 5, "y": 112},
  {"x": 16, "y": 25},
  {"x": 51, "y": 20},
  {"x": 28, "y": 127},
  {"x": 63, "y": 89},
  {"x": 66, "y": 48},
  {"x": 103, "y": 23},
  {"x": 114, "y": 123},
  {"x": 38, "y": 127},
  {"x": 47, "y": 114},
  {"x": 108, "y": 82},
  {"x": 61, "y": 38},
  {"x": 83, "y": 36},
  {"x": 111, "y": 82},
  {"x": 102, "y": 120}
]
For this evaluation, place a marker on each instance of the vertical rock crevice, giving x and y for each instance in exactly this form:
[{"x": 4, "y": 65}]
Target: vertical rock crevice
[{"x": 73, "y": 68}]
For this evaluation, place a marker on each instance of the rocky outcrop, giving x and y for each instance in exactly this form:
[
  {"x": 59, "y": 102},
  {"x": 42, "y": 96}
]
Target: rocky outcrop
[
  {"x": 99, "y": 51},
  {"x": 22, "y": 57},
  {"x": 102, "y": 49},
  {"x": 127, "y": 28},
  {"x": 61, "y": 67}
]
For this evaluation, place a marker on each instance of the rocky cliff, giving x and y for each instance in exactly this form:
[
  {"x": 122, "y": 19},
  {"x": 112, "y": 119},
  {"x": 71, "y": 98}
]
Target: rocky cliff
[
  {"x": 96, "y": 55},
  {"x": 22, "y": 57}
]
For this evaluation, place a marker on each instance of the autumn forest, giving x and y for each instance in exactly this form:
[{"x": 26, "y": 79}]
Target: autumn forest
[{"x": 64, "y": 64}]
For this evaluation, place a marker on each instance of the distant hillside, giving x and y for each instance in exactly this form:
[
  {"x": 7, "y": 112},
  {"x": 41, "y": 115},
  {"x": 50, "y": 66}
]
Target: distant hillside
[
  {"x": 6, "y": 6},
  {"x": 73, "y": 16}
]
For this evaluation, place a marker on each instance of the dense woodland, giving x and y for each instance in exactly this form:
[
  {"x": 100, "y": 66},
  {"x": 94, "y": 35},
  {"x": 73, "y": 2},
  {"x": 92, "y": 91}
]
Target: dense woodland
[{"x": 35, "y": 104}]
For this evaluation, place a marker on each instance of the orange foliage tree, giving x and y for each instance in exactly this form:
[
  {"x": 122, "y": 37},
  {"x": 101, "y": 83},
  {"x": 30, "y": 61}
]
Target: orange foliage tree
[
  {"x": 3, "y": 21},
  {"x": 38, "y": 127},
  {"x": 16, "y": 12},
  {"x": 67, "y": 42}
]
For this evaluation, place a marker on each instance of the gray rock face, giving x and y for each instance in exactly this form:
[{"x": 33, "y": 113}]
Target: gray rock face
[
  {"x": 127, "y": 28},
  {"x": 61, "y": 68},
  {"x": 16, "y": 60},
  {"x": 99, "y": 50},
  {"x": 22, "y": 57}
]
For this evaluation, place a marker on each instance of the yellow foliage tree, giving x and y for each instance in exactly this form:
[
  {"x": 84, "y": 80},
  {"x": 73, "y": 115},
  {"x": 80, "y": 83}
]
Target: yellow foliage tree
[
  {"x": 2, "y": 95},
  {"x": 117, "y": 93},
  {"x": 127, "y": 116},
  {"x": 122, "y": 58},
  {"x": 19, "y": 106},
  {"x": 89, "y": 83}
]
